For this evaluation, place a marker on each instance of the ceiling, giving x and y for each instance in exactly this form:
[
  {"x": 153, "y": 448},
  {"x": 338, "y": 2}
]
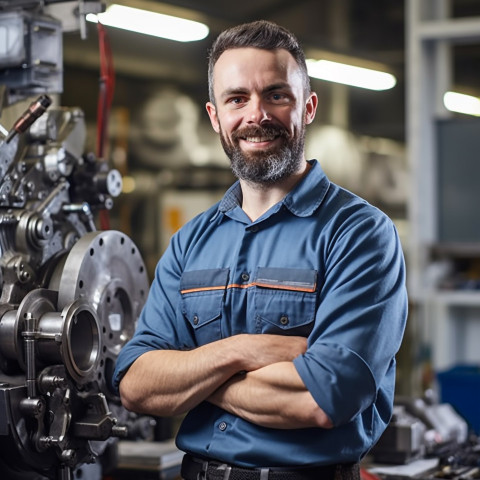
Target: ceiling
[{"x": 372, "y": 30}]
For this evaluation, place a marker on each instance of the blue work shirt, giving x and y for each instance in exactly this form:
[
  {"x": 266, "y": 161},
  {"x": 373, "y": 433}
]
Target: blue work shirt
[{"x": 321, "y": 263}]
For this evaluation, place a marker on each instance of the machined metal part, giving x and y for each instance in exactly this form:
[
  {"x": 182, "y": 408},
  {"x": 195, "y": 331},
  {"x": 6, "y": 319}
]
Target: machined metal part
[
  {"x": 70, "y": 298},
  {"x": 107, "y": 268}
]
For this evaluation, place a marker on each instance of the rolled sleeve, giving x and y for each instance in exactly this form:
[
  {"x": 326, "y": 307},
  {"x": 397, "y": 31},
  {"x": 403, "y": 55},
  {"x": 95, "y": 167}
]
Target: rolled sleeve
[
  {"x": 350, "y": 361},
  {"x": 343, "y": 396}
]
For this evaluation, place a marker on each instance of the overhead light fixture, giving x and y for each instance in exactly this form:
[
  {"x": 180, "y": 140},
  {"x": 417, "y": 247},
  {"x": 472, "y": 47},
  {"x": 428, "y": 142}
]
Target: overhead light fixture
[
  {"x": 151, "y": 23},
  {"x": 350, "y": 75},
  {"x": 461, "y": 103}
]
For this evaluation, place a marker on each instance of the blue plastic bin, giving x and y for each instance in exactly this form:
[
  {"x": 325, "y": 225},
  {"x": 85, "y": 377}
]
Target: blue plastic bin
[{"x": 460, "y": 387}]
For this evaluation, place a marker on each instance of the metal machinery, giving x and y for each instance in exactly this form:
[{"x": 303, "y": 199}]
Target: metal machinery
[
  {"x": 426, "y": 440},
  {"x": 70, "y": 294}
]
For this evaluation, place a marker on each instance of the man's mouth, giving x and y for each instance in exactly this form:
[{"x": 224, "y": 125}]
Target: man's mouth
[
  {"x": 259, "y": 136},
  {"x": 270, "y": 138}
]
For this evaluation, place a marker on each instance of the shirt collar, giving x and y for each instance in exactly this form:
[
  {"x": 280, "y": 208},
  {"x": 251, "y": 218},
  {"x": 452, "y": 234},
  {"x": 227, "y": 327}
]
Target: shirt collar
[
  {"x": 302, "y": 201},
  {"x": 309, "y": 193},
  {"x": 232, "y": 198}
]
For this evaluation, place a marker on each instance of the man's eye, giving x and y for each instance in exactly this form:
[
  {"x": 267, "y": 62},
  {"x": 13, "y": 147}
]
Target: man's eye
[
  {"x": 236, "y": 100},
  {"x": 279, "y": 97}
]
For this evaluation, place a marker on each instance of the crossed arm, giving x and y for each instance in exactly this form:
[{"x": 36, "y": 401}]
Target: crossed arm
[{"x": 251, "y": 376}]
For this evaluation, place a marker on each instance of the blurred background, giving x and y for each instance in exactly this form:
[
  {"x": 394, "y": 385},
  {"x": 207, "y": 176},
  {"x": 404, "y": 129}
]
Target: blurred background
[{"x": 409, "y": 145}]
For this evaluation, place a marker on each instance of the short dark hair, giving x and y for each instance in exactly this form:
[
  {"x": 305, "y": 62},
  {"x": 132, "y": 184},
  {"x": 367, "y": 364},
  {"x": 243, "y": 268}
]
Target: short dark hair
[{"x": 260, "y": 34}]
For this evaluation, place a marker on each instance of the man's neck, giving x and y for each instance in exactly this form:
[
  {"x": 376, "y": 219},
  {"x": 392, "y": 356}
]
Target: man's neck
[{"x": 257, "y": 199}]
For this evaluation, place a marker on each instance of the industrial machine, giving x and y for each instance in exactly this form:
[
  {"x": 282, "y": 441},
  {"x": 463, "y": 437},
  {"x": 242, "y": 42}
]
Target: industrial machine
[
  {"x": 426, "y": 440},
  {"x": 70, "y": 293}
]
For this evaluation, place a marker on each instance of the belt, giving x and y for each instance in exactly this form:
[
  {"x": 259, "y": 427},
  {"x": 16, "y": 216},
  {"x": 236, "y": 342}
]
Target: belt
[{"x": 198, "y": 469}]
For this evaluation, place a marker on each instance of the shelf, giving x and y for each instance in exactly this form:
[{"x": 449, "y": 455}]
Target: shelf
[
  {"x": 457, "y": 250},
  {"x": 467, "y": 298},
  {"x": 452, "y": 29}
]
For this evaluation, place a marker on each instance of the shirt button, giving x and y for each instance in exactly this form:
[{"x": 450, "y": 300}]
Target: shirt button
[
  {"x": 245, "y": 277},
  {"x": 222, "y": 426},
  {"x": 284, "y": 320},
  {"x": 195, "y": 319},
  {"x": 254, "y": 229}
]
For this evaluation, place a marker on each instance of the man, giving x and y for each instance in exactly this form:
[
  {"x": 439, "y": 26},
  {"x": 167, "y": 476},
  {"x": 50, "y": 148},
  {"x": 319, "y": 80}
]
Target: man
[{"x": 275, "y": 316}]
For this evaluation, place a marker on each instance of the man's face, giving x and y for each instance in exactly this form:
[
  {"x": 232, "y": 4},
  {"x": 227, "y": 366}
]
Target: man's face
[{"x": 261, "y": 113}]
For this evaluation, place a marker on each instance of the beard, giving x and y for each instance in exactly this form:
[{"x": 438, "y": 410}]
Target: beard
[{"x": 264, "y": 168}]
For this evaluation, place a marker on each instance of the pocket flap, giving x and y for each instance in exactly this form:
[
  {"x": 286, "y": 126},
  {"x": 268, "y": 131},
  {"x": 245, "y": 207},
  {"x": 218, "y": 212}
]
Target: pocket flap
[
  {"x": 204, "y": 280},
  {"x": 296, "y": 279}
]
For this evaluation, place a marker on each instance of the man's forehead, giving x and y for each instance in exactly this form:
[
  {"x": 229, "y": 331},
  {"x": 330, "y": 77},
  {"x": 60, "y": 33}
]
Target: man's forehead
[
  {"x": 250, "y": 61},
  {"x": 245, "y": 52}
]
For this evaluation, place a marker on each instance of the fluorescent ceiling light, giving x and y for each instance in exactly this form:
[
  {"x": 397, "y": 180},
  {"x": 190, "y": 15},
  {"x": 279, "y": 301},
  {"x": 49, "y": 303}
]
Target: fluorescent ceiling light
[
  {"x": 458, "y": 102},
  {"x": 350, "y": 75},
  {"x": 151, "y": 23}
]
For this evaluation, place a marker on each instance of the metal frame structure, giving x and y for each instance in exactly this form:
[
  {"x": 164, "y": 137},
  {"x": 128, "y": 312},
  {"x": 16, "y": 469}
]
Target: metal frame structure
[{"x": 446, "y": 320}]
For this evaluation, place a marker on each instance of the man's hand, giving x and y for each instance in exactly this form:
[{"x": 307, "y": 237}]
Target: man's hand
[
  {"x": 258, "y": 351},
  {"x": 170, "y": 382}
]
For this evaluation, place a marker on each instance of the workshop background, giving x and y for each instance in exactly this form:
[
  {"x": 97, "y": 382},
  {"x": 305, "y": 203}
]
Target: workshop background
[{"x": 406, "y": 149}]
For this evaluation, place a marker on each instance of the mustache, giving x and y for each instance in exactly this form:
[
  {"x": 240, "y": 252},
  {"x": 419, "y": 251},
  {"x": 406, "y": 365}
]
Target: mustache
[{"x": 259, "y": 131}]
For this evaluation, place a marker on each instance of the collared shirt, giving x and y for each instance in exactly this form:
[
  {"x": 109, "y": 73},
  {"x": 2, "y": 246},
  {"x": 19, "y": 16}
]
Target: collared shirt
[{"x": 322, "y": 263}]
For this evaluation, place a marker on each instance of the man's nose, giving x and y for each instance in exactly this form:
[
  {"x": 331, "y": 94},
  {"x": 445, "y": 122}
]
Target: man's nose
[{"x": 258, "y": 111}]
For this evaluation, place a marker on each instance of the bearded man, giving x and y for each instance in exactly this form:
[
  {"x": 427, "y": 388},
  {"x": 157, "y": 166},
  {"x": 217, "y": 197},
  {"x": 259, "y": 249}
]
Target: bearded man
[{"x": 275, "y": 316}]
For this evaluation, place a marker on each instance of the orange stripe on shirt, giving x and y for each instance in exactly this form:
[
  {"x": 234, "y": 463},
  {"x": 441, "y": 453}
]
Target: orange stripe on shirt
[
  {"x": 286, "y": 287},
  {"x": 248, "y": 285}
]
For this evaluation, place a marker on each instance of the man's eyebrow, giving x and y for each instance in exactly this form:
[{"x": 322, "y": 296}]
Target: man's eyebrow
[
  {"x": 242, "y": 91},
  {"x": 233, "y": 91},
  {"x": 277, "y": 86}
]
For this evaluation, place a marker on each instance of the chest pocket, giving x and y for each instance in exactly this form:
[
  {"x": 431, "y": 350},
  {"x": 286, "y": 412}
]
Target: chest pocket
[
  {"x": 203, "y": 293},
  {"x": 285, "y": 300}
]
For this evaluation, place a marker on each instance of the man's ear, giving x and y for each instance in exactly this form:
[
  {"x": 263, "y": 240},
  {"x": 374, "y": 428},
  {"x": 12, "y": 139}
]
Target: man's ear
[
  {"x": 212, "y": 113},
  {"x": 311, "y": 108}
]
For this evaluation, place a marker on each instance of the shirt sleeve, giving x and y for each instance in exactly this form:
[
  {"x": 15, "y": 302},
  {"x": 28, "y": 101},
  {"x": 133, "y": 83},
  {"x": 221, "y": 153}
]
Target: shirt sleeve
[
  {"x": 157, "y": 327},
  {"x": 350, "y": 361}
]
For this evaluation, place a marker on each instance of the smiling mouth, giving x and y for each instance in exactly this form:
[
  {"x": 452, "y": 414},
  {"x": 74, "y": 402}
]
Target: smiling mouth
[
  {"x": 264, "y": 137},
  {"x": 260, "y": 139}
]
